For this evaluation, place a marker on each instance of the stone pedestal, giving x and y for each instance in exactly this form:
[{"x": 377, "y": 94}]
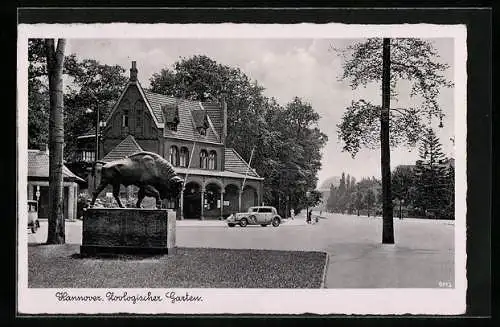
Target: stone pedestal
[{"x": 128, "y": 230}]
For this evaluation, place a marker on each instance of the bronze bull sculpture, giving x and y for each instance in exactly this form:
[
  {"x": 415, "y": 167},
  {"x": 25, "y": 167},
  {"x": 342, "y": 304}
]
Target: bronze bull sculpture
[{"x": 154, "y": 176}]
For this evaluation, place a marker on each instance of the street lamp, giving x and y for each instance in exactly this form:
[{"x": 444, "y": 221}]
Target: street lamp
[
  {"x": 98, "y": 124},
  {"x": 37, "y": 193},
  {"x": 307, "y": 206},
  {"x": 401, "y": 202}
]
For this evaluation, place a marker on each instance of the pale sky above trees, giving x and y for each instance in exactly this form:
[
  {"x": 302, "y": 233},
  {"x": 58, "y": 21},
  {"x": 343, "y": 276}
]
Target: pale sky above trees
[{"x": 306, "y": 68}]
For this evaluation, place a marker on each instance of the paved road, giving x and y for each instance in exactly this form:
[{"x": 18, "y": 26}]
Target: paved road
[{"x": 422, "y": 257}]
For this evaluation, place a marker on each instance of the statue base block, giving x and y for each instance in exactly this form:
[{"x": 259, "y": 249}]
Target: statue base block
[{"x": 128, "y": 231}]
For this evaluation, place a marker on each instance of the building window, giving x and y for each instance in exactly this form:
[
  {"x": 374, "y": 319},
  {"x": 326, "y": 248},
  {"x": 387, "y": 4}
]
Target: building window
[
  {"x": 184, "y": 157},
  {"x": 212, "y": 160},
  {"x": 203, "y": 159},
  {"x": 88, "y": 156},
  {"x": 172, "y": 127},
  {"x": 125, "y": 118},
  {"x": 174, "y": 156},
  {"x": 138, "y": 118},
  {"x": 203, "y": 131}
]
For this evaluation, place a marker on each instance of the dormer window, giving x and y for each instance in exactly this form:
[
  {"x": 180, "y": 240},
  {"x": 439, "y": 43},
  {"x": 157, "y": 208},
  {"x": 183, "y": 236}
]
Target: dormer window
[
  {"x": 200, "y": 121},
  {"x": 171, "y": 114}
]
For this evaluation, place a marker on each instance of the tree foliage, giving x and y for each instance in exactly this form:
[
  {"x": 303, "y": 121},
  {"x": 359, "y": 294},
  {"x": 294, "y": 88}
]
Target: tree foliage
[
  {"x": 431, "y": 175},
  {"x": 412, "y": 60},
  {"x": 355, "y": 197},
  {"x": 93, "y": 85},
  {"x": 90, "y": 84},
  {"x": 38, "y": 94}
]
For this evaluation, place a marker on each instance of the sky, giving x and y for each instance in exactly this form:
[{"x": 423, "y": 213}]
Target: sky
[{"x": 286, "y": 68}]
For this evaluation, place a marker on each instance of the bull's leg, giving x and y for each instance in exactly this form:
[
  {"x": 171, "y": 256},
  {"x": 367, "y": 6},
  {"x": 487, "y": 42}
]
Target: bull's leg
[
  {"x": 116, "y": 194},
  {"x": 97, "y": 191},
  {"x": 140, "y": 196},
  {"x": 151, "y": 191}
]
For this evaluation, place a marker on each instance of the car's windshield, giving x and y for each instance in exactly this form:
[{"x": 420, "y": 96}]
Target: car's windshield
[{"x": 253, "y": 210}]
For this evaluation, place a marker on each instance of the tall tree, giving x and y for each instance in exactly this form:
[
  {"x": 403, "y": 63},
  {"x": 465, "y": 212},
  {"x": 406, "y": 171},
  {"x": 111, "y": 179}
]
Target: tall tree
[
  {"x": 364, "y": 124},
  {"x": 55, "y": 61},
  {"x": 38, "y": 95},
  {"x": 431, "y": 174}
]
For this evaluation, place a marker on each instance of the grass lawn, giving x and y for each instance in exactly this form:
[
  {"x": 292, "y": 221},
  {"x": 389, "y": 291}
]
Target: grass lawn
[{"x": 61, "y": 266}]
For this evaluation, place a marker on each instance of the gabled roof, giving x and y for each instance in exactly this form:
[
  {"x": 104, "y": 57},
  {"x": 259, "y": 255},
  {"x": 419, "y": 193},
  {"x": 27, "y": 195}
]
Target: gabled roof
[
  {"x": 186, "y": 129},
  {"x": 38, "y": 166},
  {"x": 126, "y": 148},
  {"x": 235, "y": 163},
  {"x": 136, "y": 84}
]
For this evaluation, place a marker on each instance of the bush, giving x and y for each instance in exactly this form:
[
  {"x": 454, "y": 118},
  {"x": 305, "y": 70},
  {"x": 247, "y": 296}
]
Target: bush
[{"x": 82, "y": 203}]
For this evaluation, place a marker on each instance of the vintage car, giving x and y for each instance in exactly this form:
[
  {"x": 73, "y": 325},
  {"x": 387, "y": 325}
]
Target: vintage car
[
  {"x": 33, "y": 222},
  {"x": 262, "y": 215}
]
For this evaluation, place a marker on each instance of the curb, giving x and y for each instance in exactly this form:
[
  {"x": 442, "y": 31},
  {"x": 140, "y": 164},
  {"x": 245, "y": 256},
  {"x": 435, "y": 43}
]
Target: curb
[{"x": 325, "y": 269}]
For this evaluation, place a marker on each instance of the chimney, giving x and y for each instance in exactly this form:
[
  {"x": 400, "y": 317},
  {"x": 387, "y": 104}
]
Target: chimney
[
  {"x": 133, "y": 72},
  {"x": 44, "y": 147}
]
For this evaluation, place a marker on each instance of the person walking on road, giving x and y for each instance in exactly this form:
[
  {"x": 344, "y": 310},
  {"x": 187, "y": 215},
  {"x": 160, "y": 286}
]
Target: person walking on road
[{"x": 292, "y": 214}]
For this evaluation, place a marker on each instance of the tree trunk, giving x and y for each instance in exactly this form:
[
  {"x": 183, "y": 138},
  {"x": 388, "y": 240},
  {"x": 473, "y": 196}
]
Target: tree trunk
[
  {"x": 387, "y": 214},
  {"x": 55, "y": 59}
]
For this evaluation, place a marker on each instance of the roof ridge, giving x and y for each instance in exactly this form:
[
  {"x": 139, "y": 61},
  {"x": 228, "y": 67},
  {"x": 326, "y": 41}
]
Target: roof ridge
[
  {"x": 170, "y": 97},
  {"x": 135, "y": 142}
]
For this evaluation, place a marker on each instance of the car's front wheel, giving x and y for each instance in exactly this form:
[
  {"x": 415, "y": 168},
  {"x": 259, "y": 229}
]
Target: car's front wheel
[
  {"x": 276, "y": 222},
  {"x": 243, "y": 222}
]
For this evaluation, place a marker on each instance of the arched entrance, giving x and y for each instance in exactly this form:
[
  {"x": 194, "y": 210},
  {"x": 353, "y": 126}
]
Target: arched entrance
[
  {"x": 192, "y": 201},
  {"x": 231, "y": 200},
  {"x": 212, "y": 201},
  {"x": 249, "y": 198}
]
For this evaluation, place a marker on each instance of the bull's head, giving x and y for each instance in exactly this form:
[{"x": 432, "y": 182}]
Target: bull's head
[{"x": 175, "y": 185}]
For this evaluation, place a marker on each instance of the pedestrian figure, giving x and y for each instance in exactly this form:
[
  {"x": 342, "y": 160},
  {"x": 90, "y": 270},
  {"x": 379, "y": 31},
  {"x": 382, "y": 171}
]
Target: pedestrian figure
[
  {"x": 309, "y": 215},
  {"x": 292, "y": 213}
]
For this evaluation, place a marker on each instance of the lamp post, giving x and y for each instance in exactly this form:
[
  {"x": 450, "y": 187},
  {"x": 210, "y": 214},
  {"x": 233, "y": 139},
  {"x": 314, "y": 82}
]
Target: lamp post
[
  {"x": 307, "y": 205},
  {"x": 37, "y": 194},
  {"x": 98, "y": 124}
]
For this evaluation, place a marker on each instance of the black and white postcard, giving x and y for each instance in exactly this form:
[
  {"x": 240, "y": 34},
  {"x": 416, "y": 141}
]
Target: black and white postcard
[{"x": 241, "y": 169}]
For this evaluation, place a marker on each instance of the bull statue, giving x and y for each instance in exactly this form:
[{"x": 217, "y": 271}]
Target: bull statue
[{"x": 152, "y": 174}]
